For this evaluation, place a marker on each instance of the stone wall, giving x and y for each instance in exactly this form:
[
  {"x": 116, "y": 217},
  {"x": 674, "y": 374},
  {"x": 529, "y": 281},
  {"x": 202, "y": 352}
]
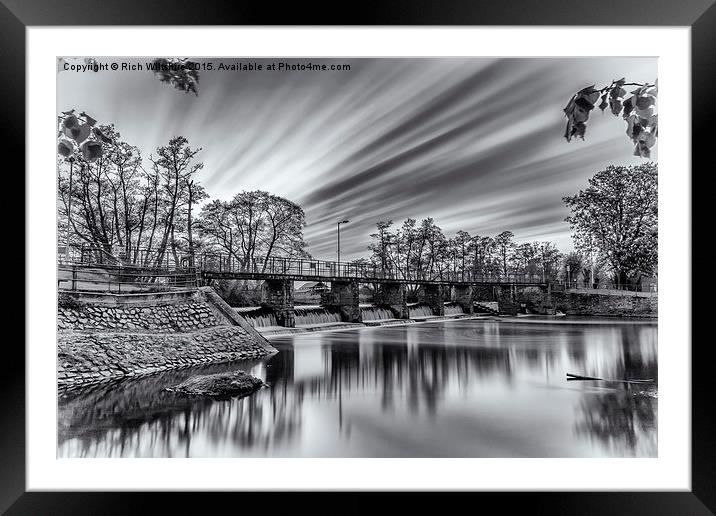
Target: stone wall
[
  {"x": 464, "y": 297},
  {"x": 434, "y": 297},
  {"x": 393, "y": 297},
  {"x": 186, "y": 316},
  {"x": 532, "y": 300},
  {"x": 627, "y": 305},
  {"x": 89, "y": 357},
  {"x": 98, "y": 342},
  {"x": 344, "y": 297},
  {"x": 278, "y": 296}
]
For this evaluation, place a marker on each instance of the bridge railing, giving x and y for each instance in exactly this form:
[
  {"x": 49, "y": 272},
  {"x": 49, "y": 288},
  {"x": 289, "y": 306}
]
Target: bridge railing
[
  {"x": 88, "y": 254},
  {"x": 124, "y": 279},
  {"x": 275, "y": 266}
]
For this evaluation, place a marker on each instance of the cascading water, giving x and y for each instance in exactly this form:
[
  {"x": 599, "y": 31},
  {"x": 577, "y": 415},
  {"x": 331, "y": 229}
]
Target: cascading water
[
  {"x": 259, "y": 317},
  {"x": 453, "y": 309},
  {"x": 419, "y": 310},
  {"x": 375, "y": 313},
  {"x": 315, "y": 315}
]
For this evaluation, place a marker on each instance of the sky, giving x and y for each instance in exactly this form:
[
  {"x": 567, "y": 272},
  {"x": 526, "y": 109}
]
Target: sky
[{"x": 475, "y": 143}]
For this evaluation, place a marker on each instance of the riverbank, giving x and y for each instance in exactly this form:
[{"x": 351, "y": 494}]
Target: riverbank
[{"x": 122, "y": 336}]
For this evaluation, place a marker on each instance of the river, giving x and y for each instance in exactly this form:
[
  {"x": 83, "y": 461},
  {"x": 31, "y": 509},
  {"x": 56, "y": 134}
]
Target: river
[{"x": 462, "y": 388}]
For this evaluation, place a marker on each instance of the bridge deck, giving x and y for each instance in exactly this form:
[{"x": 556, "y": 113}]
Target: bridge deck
[{"x": 221, "y": 267}]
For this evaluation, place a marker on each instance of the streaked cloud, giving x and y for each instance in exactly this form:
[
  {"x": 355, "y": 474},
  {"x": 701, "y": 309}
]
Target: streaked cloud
[{"x": 474, "y": 143}]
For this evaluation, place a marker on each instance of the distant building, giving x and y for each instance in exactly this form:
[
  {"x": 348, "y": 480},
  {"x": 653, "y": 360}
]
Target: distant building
[{"x": 309, "y": 292}]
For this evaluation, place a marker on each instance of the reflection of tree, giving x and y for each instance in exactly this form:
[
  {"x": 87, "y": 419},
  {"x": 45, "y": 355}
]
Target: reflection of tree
[
  {"x": 123, "y": 418},
  {"x": 403, "y": 371},
  {"x": 623, "y": 421},
  {"x": 140, "y": 417}
]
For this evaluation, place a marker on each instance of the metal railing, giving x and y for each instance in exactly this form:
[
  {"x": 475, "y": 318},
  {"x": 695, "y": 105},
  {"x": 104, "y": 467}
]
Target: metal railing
[
  {"x": 296, "y": 267},
  {"x": 123, "y": 279},
  {"x": 142, "y": 257}
]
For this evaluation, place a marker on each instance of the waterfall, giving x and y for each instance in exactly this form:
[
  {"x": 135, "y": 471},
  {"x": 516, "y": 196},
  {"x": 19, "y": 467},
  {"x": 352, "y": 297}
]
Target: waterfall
[
  {"x": 453, "y": 309},
  {"x": 313, "y": 315},
  {"x": 376, "y": 314},
  {"x": 258, "y": 317},
  {"x": 420, "y": 310}
]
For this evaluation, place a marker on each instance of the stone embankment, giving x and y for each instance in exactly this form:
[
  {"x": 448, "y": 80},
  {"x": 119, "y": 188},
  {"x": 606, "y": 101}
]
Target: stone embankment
[
  {"x": 532, "y": 300},
  {"x": 100, "y": 341}
]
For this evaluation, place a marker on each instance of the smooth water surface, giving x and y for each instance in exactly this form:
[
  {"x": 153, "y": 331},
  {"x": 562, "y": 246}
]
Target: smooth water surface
[{"x": 463, "y": 388}]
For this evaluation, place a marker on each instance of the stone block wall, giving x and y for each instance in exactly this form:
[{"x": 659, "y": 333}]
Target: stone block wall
[
  {"x": 98, "y": 342},
  {"x": 344, "y": 296},
  {"x": 278, "y": 295},
  {"x": 393, "y": 297},
  {"x": 627, "y": 305},
  {"x": 463, "y": 296},
  {"x": 186, "y": 316},
  {"x": 435, "y": 296},
  {"x": 574, "y": 303},
  {"x": 88, "y": 357}
]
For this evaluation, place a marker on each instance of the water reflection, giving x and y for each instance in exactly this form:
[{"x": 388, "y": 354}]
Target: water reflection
[{"x": 458, "y": 388}]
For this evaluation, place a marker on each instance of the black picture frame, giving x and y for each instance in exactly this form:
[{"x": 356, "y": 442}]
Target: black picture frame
[{"x": 700, "y": 15}]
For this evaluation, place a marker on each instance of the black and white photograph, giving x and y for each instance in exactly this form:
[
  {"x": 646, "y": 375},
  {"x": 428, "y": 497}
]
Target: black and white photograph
[{"x": 357, "y": 257}]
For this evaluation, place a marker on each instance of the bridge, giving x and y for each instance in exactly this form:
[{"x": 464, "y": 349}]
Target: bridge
[
  {"x": 278, "y": 275},
  {"x": 218, "y": 266},
  {"x": 345, "y": 278}
]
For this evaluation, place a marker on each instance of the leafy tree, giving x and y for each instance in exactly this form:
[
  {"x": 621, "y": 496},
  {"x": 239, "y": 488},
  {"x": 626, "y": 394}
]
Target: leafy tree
[
  {"x": 194, "y": 193},
  {"x": 174, "y": 166},
  {"x": 525, "y": 259},
  {"x": 638, "y": 108},
  {"x": 549, "y": 260},
  {"x": 504, "y": 246},
  {"x": 108, "y": 201},
  {"x": 181, "y": 74},
  {"x": 254, "y": 227},
  {"x": 484, "y": 258},
  {"x": 383, "y": 243},
  {"x": 572, "y": 265},
  {"x": 616, "y": 215}
]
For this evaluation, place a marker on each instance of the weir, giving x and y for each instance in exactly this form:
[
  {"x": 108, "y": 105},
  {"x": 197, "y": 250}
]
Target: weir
[
  {"x": 454, "y": 309},
  {"x": 343, "y": 297},
  {"x": 420, "y": 310},
  {"x": 376, "y": 313},
  {"x": 259, "y": 317},
  {"x": 315, "y": 315},
  {"x": 393, "y": 295},
  {"x": 278, "y": 296},
  {"x": 434, "y": 296},
  {"x": 463, "y": 297}
]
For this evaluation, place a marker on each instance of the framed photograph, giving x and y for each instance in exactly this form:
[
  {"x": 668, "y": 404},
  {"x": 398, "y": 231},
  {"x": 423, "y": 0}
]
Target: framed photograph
[{"x": 427, "y": 251}]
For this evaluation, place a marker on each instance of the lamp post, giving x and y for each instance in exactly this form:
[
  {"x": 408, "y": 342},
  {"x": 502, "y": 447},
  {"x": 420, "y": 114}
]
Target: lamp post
[{"x": 339, "y": 239}]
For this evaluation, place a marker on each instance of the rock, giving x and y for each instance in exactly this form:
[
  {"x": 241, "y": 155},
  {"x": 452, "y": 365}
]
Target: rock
[{"x": 221, "y": 385}]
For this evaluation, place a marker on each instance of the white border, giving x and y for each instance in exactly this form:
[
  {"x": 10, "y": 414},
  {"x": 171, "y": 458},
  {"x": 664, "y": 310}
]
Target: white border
[{"x": 671, "y": 470}]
